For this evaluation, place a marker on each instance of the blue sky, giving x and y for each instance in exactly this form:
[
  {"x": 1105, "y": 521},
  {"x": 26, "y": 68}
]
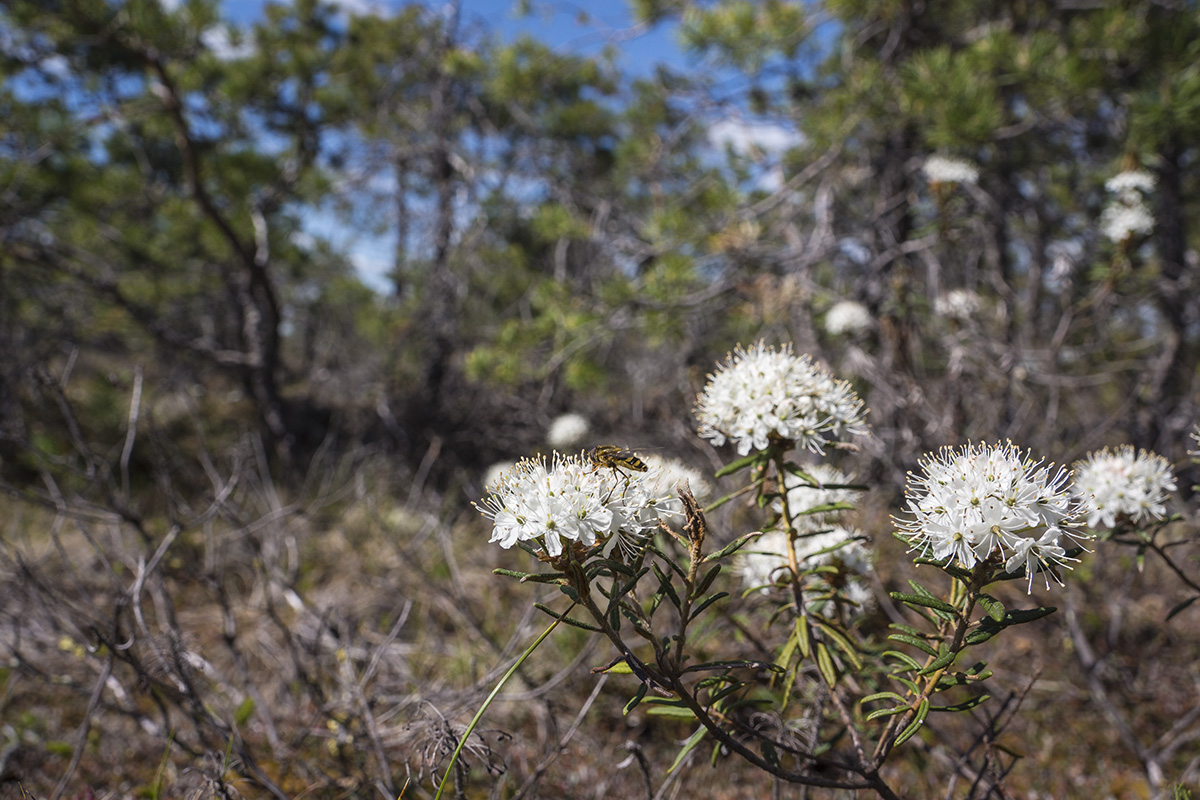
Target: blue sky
[{"x": 584, "y": 27}]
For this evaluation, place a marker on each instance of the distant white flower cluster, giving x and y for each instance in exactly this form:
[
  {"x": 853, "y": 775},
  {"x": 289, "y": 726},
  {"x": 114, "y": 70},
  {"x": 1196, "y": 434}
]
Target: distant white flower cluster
[
  {"x": 567, "y": 430},
  {"x": 941, "y": 169},
  {"x": 980, "y": 502},
  {"x": 961, "y": 304},
  {"x": 662, "y": 476},
  {"x": 762, "y": 394},
  {"x": 847, "y": 316},
  {"x": 823, "y": 538},
  {"x": 1127, "y": 213},
  {"x": 1114, "y": 484},
  {"x": 762, "y": 563},
  {"x": 1133, "y": 180},
  {"x": 803, "y": 497},
  {"x": 495, "y": 474},
  {"x": 567, "y": 500}
]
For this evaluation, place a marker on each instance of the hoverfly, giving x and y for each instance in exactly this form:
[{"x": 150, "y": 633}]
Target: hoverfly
[
  {"x": 615, "y": 458},
  {"x": 618, "y": 459}
]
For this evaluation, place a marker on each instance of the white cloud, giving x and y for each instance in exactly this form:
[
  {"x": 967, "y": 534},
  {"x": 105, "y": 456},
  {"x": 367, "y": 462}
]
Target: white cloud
[
  {"x": 217, "y": 40},
  {"x": 361, "y": 8},
  {"x": 748, "y": 138}
]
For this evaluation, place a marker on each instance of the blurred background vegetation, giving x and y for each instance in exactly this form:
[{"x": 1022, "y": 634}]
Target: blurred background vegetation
[{"x": 238, "y": 552}]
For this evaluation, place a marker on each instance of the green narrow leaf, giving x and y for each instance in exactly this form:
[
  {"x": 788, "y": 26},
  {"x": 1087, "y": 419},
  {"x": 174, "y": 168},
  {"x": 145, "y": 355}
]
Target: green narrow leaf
[
  {"x": 881, "y": 695},
  {"x": 886, "y": 712},
  {"x": 826, "y": 508},
  {"x": 910, "y": 630},
  {"x": 841, "y": 640},
  {"x": 921, "y": 590},
  {"x": 688, "y": 747},
  {"x": 568, "y": 620},
  {"x": 740, "y": 464},
  {"x": 915, "y": 725},
  {"x": 812, "y": 482},
  {"x": 675, "y": 712},
  {"x": 627, "y": 587},
  {"x": 915, "y": 642},
  {"x": 665, "y": 583},
  {"x": 706, "y": 581},
  {"x": 802, "y": 639},
  {"x": 825, "y": 665},
  {"x": 981, "y": 635},
  {"x": 993, "y": 607},
  {"x": 1021, "y": 616},
  {"x": 732, "y": 547},
  {"x": 942, "y": 661},
  {"x": 922, "y": 600},
  {"x": 527, "y": 577},
  {"x": 965, "y": 705},
  {"x": 708, "y": 602},
  {"x": 768, "y": 665},
  {"x": 637, "y": 698},
  {"x": 905, "y": 658}
]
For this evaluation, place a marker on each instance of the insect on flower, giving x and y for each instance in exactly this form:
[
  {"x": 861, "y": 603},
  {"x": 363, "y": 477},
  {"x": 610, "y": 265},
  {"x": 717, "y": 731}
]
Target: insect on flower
[
  {"x": 618, "y": 459},
  {"x": 615, "y": 458}
]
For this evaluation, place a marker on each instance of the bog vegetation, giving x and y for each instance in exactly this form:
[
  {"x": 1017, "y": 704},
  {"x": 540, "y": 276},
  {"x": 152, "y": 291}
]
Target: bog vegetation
[{"x": 238, "y": 554}]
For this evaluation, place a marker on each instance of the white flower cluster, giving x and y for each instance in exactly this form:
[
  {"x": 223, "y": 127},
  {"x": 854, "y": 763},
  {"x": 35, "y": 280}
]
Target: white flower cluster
[
  {"x": 961, "y": 304},
  {"x": 663, "y": 474},
  {"x": 1127, "y": 213},
  {"x": 569, "y": 500},
  {"x": 762, "y": 562},
  {"x": 940, "y": 169},
  {"x": 763, "y": 393},
  {"x": 1113, "y": 484},
  {"x": 983, "y": 501},
  {"x": 847, "y": 316},
  {"x": 1131, "y": 180},
  {"x": 823, "y": 538},
  {"x": 802, "y": 497},
  {"x": 567, "y": 430}
]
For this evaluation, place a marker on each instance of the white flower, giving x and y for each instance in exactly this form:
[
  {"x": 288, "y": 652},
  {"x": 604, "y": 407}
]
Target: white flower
[
  {"x": 1195, "y": 434},
  {"x": 962, "y": 304},
  {"x": 1127, "y": 213},
  {"x": 1111, "y": 484},
  {"x": 762, "y": 393},
  {"x": 978, "y": 502},
  {"x": 802, "y": 497},
  {"x": 567, "y": 430},
  {"x": 1119, "y": 221},
  {"x": 847, "y": 316},
  {"x": 569, "y": 500},
  {"x": 940, "y": 169},
  {"x": 1134, "y": 180}
]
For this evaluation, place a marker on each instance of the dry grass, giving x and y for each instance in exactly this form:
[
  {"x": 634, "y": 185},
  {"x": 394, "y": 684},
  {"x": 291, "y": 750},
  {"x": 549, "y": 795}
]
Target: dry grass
[{"x": 334, "y": 645}]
